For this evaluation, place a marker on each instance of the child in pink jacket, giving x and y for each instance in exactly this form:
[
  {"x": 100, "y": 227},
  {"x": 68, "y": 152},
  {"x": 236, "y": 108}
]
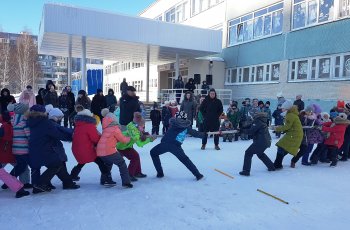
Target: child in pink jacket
[{"x": 106, "y": 148}]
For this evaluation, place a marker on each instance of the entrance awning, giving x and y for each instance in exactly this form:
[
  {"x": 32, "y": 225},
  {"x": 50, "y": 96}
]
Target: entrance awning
[{"x": 111, "y": 36}]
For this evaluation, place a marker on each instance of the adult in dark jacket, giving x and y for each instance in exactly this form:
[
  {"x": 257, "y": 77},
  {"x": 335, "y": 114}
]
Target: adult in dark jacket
[
  {"x": 65, "y": 105},
  {"x": 211, "y": 110},
  {"x": 46, "y": 149},
  {"x": 172, "y": 141},
  {"x": 190, "y": 86},
  {"x": 189, "y": 106},
  {"x": 83, "y": 100},
  {"x": 98, "y": 103},
  {"x": 166, "y": 115},
  {"x": 49, "y": 94},
  {"x": 5, "y": 99},
  {"x": 39, "y": 98},
  {"x": 261, "y": 141},
  {"x": 205, "y": 88},
  {"x": 298, "y": 102},
  {"x": 129, "y": 104},
  {"x": 111, "y": 100},
  {"x": 71, "y": 98},
  {"x": 123, "y": 87},
  {"x": 156, "y": 118},
  {"x": 179, "y": 84}
]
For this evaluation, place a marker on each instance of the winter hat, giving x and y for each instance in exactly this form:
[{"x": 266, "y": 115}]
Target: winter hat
[
  {"x": 38, "y": 108},
  {"x": 48, "y": 108},
  {"x": 78, "y": 108},
  {"x": 287, "y": 105},
  {"x": 181, "y": 115},
  {"x": 343, "y": 115},
  {"x": 55, "y": 112},
  {"x": 85, "y": 112},
  {"x": 82, "y": 92},
  {"x": 309, "y": 109},
  {"x": 138, "y": 119},
  {"x": 324, "y": 115},
  {"x": 333, "y": 115},
  {"x": 341, "y": 120},
  {"x": 11, "y": 107},
  {"x": 20, "y": 108},
  {"x": 280, "y": 94},
  {"x": 29, "y": 87},
  {"x": 104, "y": 112},
  {"x": 340, "y": 104},
  {"x": 317, "y": 108},
  {"x": 347, "y": 106},
  {"x": 260, "y": 103},
  {"x": 267, "y": 103},
  {"x": 155, "y": 105}
]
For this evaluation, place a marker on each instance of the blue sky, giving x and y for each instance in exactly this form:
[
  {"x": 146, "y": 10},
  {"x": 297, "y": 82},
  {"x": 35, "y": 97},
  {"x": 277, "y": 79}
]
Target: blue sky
[{"x": 15, "y": 15}]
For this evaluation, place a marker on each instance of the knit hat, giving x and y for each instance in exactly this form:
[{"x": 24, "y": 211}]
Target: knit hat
[
  {"x": 138, "y": 119},
  {"x": 341, "y": 120},
  {"x": 38, "y": 108},
  {"x": 343, "y": 115},
  {"x": 20, "y": 108},
  {"x": 333, "y": 115},
  {"x": 347, "y": 106},
  {"x": 55, "y": 112},
  {"x": 78, "y": 108},
  {"x": 104, "y": 112},
  {"x": 324, "y": 114},
  {"x": 85, "y": 112},
  {"x": 181, "y": 115},
  {"x": 309, "y": 109},
  {"x": 340, "y": 104},
  {"x": 287, "y": 105},
  {"x": 11, "y": 107},
  {"x": 48, "y": 108}
]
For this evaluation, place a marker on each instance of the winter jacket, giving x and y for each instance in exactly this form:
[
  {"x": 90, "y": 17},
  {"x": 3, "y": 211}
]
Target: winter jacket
[
  {"x": 190, "y": 86},
  {"x": 27, "y": 97},
  {"x": 123, "y": 87},
  {"x": 111, "y": 100},
  {"x": 6, "y": 155},
  {"x": 268, "y": 111},
  {"x": 64, "y": 103},
  {"x": 294, "y": 132},
  {"x": 135, "y": 137},
  {"x": 173, "y": 110},
  {"x": 336, "y": 132},
  {"x": 277, "y": 115},
  {"x": 71, "y": 100},
  {"x": 21, "y": 134},
  {"x": 300, "y": 104},
  {"x": 45, "y": 146},
  {"x": 179, "y": 84},
  {"x": 211, "y": 110},
  {"x": 205, "y": 89},
  {"x": 244, "y": 112},
  {"x": 39, "y": 99},
  {"x": 5, "y": 100},
  {"x": 166, "y": 115},
  {"x": 259, "y": 131},
  {"x": 178, "y": 130},
  {"x": 48, "y": 96},
  {"x": 128, "y": 106},
  {"x": 156, "y": 117},
  {"x": 98, "y": 103},
  {"x": 189, "y": 107},
  {"x": 311, "y": 135},
  {"x": 85, "y": 139},
  {"x": 84, "y": 101},
  {"x": 111, "y": 135},
  {"x": 234, "y": 117}
]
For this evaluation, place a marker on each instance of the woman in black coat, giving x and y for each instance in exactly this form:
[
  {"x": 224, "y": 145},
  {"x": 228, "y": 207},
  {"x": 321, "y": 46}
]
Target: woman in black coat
[
  {"x": 49, "y": 94},
  {"x": 98, "y": 103},
  {"x": 190, "y": 86},
  {"x": 39, "y": 98},
  {"x": 5, "y": 99},
  {"x": 111, "y": 100},
  {"x": 211, "y": 109},
  {"x": 261, "y": 141}
]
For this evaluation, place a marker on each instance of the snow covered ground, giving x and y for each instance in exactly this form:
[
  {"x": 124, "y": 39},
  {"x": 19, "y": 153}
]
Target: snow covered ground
[{"x": 318, "y": 196}]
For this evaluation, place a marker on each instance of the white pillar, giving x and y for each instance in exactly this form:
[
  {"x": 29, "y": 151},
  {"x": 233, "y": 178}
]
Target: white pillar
[
  {"x": 177, "y": 67},
  {"x": 147, "y": 73},
  {"x": 69, "y": 62},
  {"x": 83, "y": 64}
]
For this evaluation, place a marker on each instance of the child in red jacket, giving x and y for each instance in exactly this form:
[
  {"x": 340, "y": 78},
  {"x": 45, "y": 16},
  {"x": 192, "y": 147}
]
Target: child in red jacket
[{"x": 335, "y": 136}]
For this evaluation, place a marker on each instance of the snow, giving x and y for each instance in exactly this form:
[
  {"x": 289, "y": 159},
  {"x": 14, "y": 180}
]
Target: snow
[{"x": 318, "y": 196}]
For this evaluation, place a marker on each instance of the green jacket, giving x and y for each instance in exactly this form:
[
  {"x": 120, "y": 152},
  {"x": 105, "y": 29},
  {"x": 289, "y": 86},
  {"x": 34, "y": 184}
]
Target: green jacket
[
  {"x": 200, "y": 117},
  {"x": 135, "y": 137},
  {"x": 234, "y": 116},
  {"x": 294, "y": 132}
]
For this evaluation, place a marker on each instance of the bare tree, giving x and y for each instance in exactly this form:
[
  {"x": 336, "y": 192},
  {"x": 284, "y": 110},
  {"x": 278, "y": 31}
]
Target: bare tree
[
  {"x": 27, "y": 69},
  {"x": 5, "y": 62}
]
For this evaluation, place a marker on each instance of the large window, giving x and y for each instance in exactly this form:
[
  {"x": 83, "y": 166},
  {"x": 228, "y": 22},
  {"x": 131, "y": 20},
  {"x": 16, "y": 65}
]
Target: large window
[
  {"x": 202, "y": 5},
  {"x": 320, "y": 68},
  {"x": 170, "y": 15},
  {"x": 310, "y": 12},
  {"x": 264, "y": 73},
  {"x": 264, "y": 22},
  {"x": 344, "y": 8}
]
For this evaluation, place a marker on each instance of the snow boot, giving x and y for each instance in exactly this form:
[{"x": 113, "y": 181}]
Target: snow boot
[
  {"x": 333, "y": 164},
  {"x": 203, "y": 147},
  {"x": 160, "y": 175},
  {"x": 41, "y": 188},
  {"x": 140, "y": 175},
  {"x": 132, "y": 178},
  {"x": 199, "y": 177},
  {"x": 127, "y": 185},
  {"x": 75, "y": 173},
  {"x": 292, "y": 164},
  {"x": 244, "y": 173},
  {"x": 217, "y": 147},
  {"x": 70, "y": 186},
  {"x": 27, "y": 186},
  {"x": 106, "y": 180},
  {"x": 22, "y": 193},
  {"x": 306, "y": 163},
  {"x": 4, "y": 186}
]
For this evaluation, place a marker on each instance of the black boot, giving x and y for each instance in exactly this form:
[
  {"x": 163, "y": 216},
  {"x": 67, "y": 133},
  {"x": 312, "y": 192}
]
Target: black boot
[
  {"x": 106, "y": 180},
  {"x": 160, "y": 175},
  {"x": 127, "y": 185},
  {"x": 199, "y": 177},
  {"x": 140, "y": 175},
  {"x": 27, "y": 185},
  {"x": 4, "y": 186},
  {"x": 41, "y": 188},
  {"x": 132, "y": 178},
  {"x": 75, "y": 173},
  {"x": 70, "y": 186},
  {"x": 278, "y": 161},
  {"x": 244, "y": 173},
  {"x": 22, "y": 193}
]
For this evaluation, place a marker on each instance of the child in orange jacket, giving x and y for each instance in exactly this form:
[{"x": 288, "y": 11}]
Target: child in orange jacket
[{"x": 106, "y": 148}]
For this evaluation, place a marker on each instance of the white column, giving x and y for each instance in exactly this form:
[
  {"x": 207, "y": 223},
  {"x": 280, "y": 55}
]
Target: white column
[
  {"x": 69, "y": 62},
  {"x": 83, "y": 64},
  {"x": 147, "y": 73}
]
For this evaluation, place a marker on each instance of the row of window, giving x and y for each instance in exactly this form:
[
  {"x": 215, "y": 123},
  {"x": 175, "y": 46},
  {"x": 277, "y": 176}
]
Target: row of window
[
  {"x": 259, "y": 73},
  {"x": 182, "y": 11},
  {"x": 321, "y": 68},
  {"x": 269, "y": 20},
  {"x": 334, "y": 67},
  {"x": 122, "y": 66}
]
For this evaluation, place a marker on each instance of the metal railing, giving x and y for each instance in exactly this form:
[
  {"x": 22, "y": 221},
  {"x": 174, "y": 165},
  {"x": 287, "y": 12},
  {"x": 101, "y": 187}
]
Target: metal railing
[{"x": 225, "y": 95}]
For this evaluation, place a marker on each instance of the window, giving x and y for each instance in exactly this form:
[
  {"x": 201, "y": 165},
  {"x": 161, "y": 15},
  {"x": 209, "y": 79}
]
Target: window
[
  {"x": 182, "y": 12},
  {"x": 264, "y": 22},
  {"x": 321, "y": 68},
  {"x": 170, "y": 15},
  {"x": 201, "y": 5},
  {"x": 159, "y": 18},
  {"x": 254, "y": 74},
  {"x": 311, "y": 12},
  {"x": 344, "y": 8}
]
